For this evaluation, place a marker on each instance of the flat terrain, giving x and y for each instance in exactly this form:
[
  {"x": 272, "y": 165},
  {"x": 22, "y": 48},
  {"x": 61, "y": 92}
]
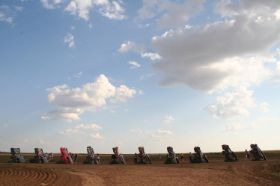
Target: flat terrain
[{"x": 215, "y": 173}]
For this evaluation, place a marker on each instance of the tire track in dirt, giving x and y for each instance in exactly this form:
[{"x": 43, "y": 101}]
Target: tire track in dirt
[{"x": 11, "y": 175}]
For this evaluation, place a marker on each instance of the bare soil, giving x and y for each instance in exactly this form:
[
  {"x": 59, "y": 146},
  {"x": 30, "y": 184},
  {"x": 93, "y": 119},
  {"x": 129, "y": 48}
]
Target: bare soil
[{"x": 215, "y": 173}]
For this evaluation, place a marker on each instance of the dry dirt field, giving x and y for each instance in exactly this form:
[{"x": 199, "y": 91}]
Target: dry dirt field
[{"x": 215, "y": 173}]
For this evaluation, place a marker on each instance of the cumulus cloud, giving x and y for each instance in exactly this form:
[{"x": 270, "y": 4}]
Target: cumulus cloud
[
  {"x": 192, "y": 55},
  {"x": 129, "y": 46},
  {"x": 232, "y": 104},
  {"x": 108, "y": 8},
  {"x": 168, "y": 119},
  {"x": 113, "y": 10},
  {"x": 72, "y": 102},
  {"x": 243, "y": 71},
  {"x": 8, "y": 13},
  {"x": 123, "y": 93},
  {"x": 134, "y": 64},
  {"x": 69, "y": 39},
  {"x": 68, "y": 114},
  {"x": 230, "y": 55},
  {"x": 151, "y": 56},
  {"x": 169, "y": 14}
]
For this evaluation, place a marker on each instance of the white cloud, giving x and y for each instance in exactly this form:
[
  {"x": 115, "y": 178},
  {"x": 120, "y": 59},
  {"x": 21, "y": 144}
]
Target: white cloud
[
  {"x": 169, "y": 13},
  {"x": 229, "y": 56},
  {"x": 68, "y": 114},
  {"x": 110, "y": 9},
  {"x": 80, "y": 8},
  {"x": 113, "y": 10},
  {"x": 51, "y": 4},
  {"x": 168, "y": 119},
  {"x": 134, "y": 64},
  {"x": 45, "y": 117},
  {"x": 7, "y": 13},
  {"x": 151, "y": 56},
  {"x": 123, "y": 93},
  {"x": 194, "y": 56},
  {"x": 242, "y": 71},
  {"x": 129, "y": 46},
  {"x": 69, "y": 39},
  {"x": 72, "y": 102},
  {"x": 232, "y": 104}
]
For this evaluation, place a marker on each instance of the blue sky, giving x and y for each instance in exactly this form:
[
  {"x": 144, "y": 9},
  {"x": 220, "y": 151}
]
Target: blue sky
[{"x": 129, "y": 73}]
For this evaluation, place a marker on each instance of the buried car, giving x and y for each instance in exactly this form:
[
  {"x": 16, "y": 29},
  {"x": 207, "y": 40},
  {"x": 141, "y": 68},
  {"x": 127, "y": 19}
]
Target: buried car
[
  {"x": 16, "y": 156},
  {"x": 198, "y": 156},
  {"x": 65, "y": 156},
  {"x": 229, "y": 155},
  {"x": 92, "y": 158},
  {"x": 257, "y": 154},
  {"x": 142, "y": 157},
  {"x": 172, "y": 158},
  {"x": 40, "y": 156},
  {"x": 117, "y": 158}
]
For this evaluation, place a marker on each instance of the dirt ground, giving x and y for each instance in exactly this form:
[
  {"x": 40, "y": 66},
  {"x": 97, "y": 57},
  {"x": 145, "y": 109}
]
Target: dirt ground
[{"x": 214, "y": 173}]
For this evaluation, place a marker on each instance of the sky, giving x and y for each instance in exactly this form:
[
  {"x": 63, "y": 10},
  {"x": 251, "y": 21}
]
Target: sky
[{"x": 147, "y": 73}]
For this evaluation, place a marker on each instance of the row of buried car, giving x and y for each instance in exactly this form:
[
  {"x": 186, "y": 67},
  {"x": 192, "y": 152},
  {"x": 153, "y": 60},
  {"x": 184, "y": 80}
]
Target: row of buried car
[{"x": 255, "y": 154}]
